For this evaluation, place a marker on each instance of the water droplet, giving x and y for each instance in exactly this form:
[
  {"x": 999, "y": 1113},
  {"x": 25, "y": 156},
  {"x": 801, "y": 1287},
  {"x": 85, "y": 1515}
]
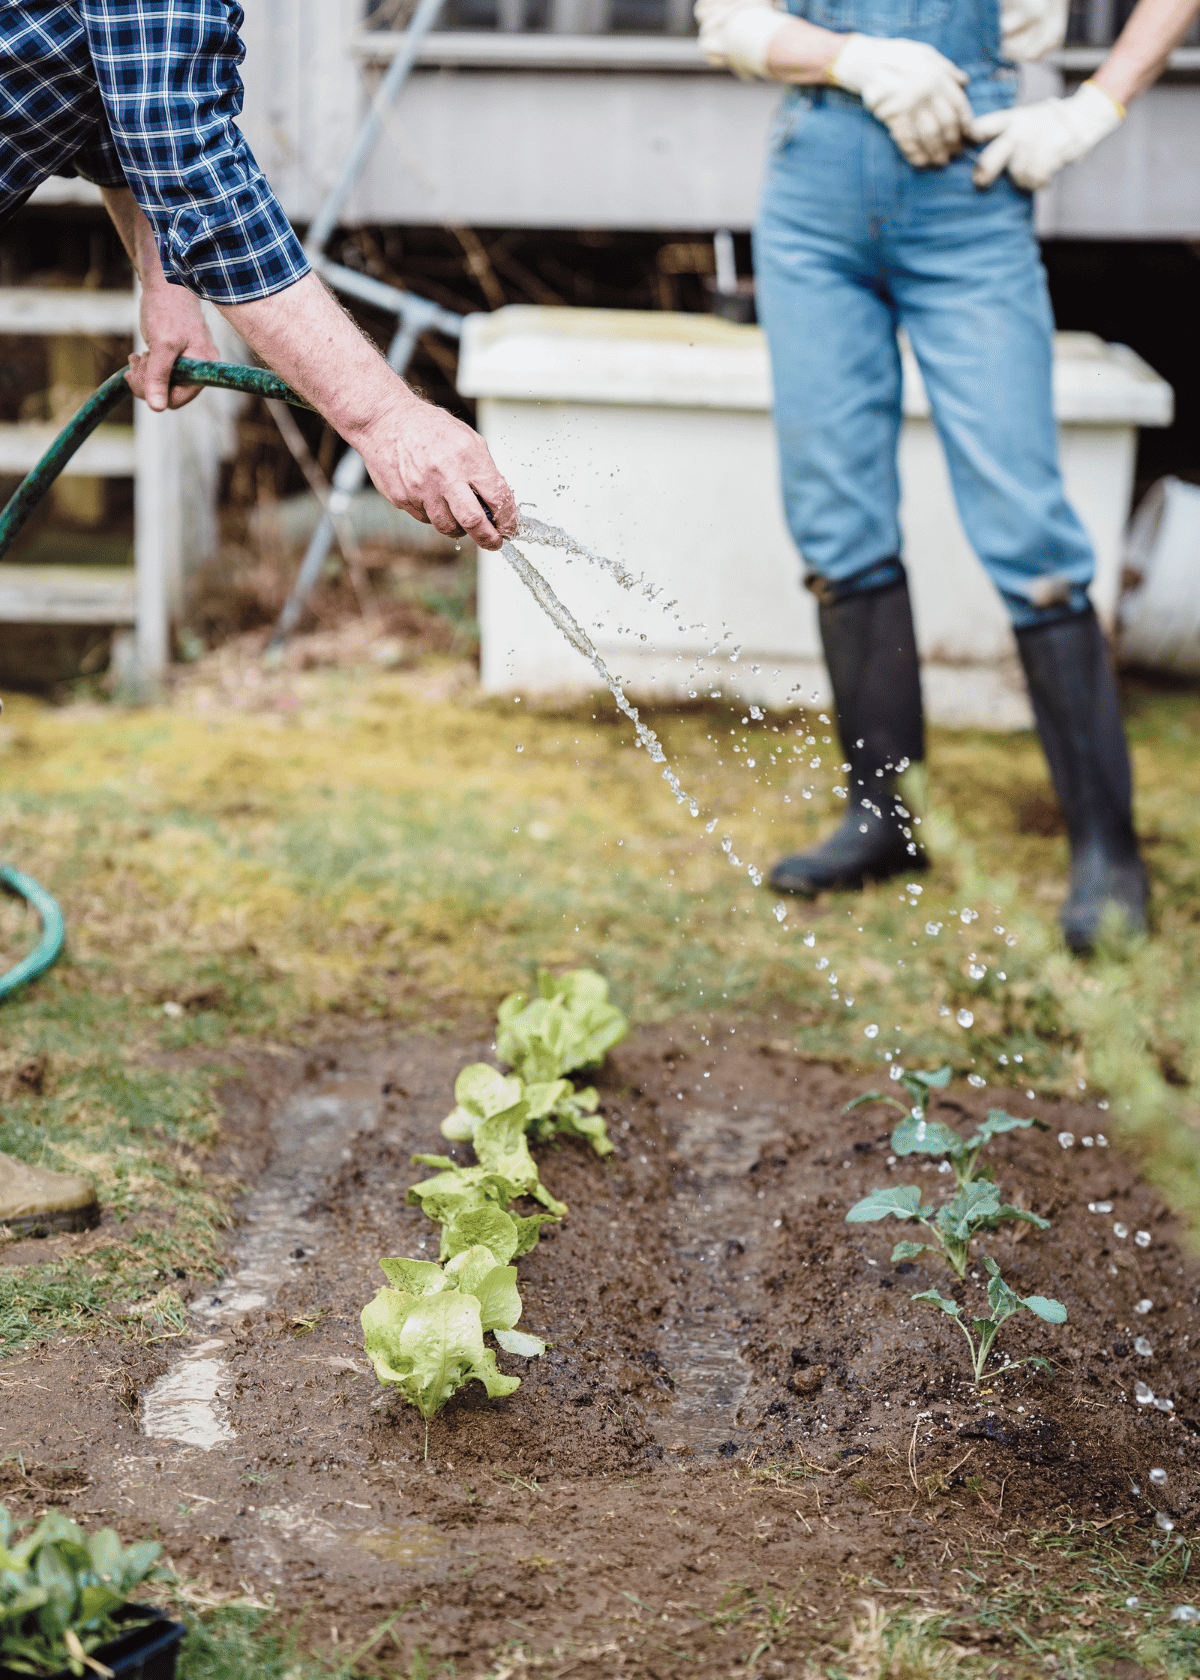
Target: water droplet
[
  {"x": 895, "y": 1071},
  {"x": 1142, "y": 1239},
  {"x": 965, "y": 1018},
  {"x": 1158, "y": 1477},
  {"x": 1163, "y": 1521},
  {"x": 1144, "y": 1306},
  {"x": 944, "y": 1167},
  {"x": 1101, "y": 1140},
  {"x": 922, "y": 1131},
  {"x": 914, "y": 889},
  {"x": 1087, "y": 1142},
  {"x": 822, "y": 963},
  {"x": 520, "y": 749},
  {"x": 1184, "y": 1612},
  {"x": 977, "y": 971},
  {"x": 1132, "y": 1602},
  {"x": 781, "y": 912},
  {"x": 1143, "y": 1347},
  {"x": 810, "y": 939},
  {"x": 871, "y": 1032},
  {"x": 708, "y": 827},
  {"x": 1066, "y": 1139},
  {"x": 1099, "y": 1207},
  {"x": 1143, "y": 1394},
  {"x": 1120, "y": 1230},
  {"x": 751, "y": 763},
  {"x": 977, "y": 1080},
  {"x": 933, "y": 928},
  {"x": 1010, "y": 939},
  {"x": 1163, "y": 1404}
]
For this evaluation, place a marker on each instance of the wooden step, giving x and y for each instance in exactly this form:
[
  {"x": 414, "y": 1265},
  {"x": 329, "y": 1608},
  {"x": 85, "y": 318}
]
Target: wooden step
[
  {"x": 63, "y": 310},
  {"x": 108, "y": 453},
  {"x": 66, "y": 594}
]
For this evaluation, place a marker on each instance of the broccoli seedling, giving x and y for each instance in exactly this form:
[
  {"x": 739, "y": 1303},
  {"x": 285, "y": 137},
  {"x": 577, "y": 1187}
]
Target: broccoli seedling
[
  {"x": 915, "y": 1135},
  {"x": 1004, "y": 1302},
  {"x": 953, "y": 1226}
]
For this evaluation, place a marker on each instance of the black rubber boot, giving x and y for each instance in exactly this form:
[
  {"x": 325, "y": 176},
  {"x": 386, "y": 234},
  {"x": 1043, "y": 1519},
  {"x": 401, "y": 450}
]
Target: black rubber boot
[
  {"x": 1075, "y": 703},
  {"x": 871, "y": 653}
]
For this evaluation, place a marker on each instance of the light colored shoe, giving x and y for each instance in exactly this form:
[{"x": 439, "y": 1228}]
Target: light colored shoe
[{"x": 35, "y": 1201}]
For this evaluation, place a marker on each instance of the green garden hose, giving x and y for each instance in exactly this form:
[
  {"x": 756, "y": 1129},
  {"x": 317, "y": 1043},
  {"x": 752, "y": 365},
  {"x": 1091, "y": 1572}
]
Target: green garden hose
[
  {"x": 255, "y": 382},
  {"x": 51, "y": 942}
]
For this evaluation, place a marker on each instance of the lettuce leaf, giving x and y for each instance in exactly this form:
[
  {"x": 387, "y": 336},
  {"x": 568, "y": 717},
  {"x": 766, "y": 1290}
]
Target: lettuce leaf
[
  {"x": 480, "y": 1091},
  {"x": 503, "y": 1153},
  {"x": 569, "y": 1025},
  {"x": 430, "y": 1347}
]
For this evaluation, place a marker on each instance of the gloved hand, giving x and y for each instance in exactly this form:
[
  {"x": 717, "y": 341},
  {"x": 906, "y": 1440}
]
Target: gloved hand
[
  {"x": 912, "y": 89},
  {"x": 1033, "y": 142}
]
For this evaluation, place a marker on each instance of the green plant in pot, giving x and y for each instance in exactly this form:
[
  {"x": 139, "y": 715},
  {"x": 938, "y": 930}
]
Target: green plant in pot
[{"x": 64, "y": 1596}]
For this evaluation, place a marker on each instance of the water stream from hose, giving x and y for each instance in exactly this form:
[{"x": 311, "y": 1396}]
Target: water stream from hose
[{"x": 563, "y": 619}]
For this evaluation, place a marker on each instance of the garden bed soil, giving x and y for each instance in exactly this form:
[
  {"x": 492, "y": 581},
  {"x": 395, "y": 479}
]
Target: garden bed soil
[{"x": 742, "y": 1405}]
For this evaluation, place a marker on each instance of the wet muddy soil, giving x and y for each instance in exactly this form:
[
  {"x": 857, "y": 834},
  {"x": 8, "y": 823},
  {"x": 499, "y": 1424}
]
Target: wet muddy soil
[{"x": 742, "y": 1404}]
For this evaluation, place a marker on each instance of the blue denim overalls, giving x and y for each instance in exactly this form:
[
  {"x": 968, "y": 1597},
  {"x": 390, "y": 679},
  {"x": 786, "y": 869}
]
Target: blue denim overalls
[{"x": 853, "y": 242}]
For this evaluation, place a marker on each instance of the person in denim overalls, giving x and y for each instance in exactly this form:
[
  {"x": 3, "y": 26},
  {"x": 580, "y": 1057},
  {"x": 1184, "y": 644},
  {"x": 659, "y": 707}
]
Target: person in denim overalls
[{"x": 853, "y": 242}]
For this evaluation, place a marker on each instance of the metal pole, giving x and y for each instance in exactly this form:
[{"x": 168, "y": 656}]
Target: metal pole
[{"x": 323, "y": 224}]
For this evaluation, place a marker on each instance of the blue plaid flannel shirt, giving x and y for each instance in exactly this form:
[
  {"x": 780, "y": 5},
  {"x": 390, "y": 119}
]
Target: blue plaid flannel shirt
[{"x": 145, "y": 94}]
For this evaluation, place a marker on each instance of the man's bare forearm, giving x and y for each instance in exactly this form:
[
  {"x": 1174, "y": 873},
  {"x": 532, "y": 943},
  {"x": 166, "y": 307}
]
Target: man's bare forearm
[
  {"x": 305, "y": 335},
  {"x": 1140, "y": 52}
]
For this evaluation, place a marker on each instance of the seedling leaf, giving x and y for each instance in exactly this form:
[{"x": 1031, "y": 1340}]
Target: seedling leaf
[
  {"x": 496, "y": 1230},
  {"x": 1052, "y": 1311},
  {"x": 941, "y": 1301},
  {"x": 873, "y": 1096},
  {"x": 518, "y": 1342},
  {"x": 999, "y": 1122},
  {"x": 528, "y": 1231},
  {"x": 503, "y": 1152},
  {"x": 904, "y": 1201},
  {"x": 499, "y": 1302},
  {"x": 414, "y": 1277},
  {"x": 479, "y": 1091},
  {"x": 925, "y": 1137},
  {"x": 910, "y": 1250}
]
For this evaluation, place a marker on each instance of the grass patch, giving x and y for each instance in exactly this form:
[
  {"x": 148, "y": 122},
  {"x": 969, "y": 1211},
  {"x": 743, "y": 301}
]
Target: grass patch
[{"x": 354, "y": 845}]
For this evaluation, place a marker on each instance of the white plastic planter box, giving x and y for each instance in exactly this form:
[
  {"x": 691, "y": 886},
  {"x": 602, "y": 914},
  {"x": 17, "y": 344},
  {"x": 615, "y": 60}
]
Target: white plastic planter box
[{"x": 649, "y": 438}]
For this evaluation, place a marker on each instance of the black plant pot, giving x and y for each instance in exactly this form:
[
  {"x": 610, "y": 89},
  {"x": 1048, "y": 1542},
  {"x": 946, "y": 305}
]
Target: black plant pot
[{"x": 146, "y": 1652}]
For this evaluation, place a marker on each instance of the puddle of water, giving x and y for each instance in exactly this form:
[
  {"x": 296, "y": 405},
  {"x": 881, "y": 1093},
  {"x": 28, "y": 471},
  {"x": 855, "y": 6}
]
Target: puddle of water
[
  {"x": 699, "y": 1347},
  {"x": 408, "y": 1543},
  {"x": 183, "y": 1405},
  {"x": 313, "y": 1134}
]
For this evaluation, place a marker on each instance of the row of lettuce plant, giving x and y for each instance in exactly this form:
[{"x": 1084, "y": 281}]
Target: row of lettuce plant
[
  {"x": 424, "y": 1331},
  {"x": 951, "y": 1230}
]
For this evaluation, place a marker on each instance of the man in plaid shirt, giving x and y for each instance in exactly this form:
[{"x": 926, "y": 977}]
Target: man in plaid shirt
[{"x": 141, "y": 97}]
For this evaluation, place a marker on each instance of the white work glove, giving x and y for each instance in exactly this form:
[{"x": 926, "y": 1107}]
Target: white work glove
[
  {"x": 912, "y": 89},
  {"x": 1033, "y": 142}
]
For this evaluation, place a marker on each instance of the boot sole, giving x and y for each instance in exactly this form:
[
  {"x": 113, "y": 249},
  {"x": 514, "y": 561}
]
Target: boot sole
[
  {"x": 49, "y": 1224},
  {"x": 848, "y": 883}
]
